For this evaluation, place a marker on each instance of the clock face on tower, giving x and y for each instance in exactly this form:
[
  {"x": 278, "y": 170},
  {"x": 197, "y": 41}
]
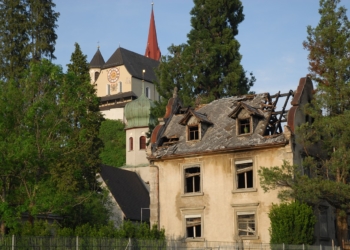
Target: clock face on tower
[{"x": 113, "y": 75}]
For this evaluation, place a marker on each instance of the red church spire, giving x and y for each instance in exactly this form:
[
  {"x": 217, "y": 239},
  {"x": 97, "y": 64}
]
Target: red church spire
[{"x": 152, "y": 49}]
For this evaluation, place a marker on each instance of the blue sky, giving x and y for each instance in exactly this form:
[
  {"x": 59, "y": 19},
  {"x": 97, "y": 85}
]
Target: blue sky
[{"x": 271, "y": 35}]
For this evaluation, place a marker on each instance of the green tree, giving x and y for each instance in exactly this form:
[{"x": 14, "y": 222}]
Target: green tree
[
  {"x": 327, "y": 169},
  {"x": 292, "y": 223},
  {"x": 41, "y": 28},
  {"x": 208, "y": 66},
  {"x": 113, "y": 136},
  {"x": 49, "y": 139},
  {"x": 79, "y": 64},
  {"x": 27, "y": 32},
  {"x": 13, "y": 38}
]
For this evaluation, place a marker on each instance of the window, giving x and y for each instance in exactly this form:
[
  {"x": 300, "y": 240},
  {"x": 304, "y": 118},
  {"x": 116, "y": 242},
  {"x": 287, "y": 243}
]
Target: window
[
  {"x": 193, "y": 133},
  {"x": 108, "y": 89},
  {"x": 244, "y": 174},
  {"x": 120, "y": 87},
  {"x": 246, "y": 223},
  {"x": 148, "y": 92},
  {"x": 192, "y": 179},
  {"x": 323, "y": 222},
  {"x": 193, "y": 226},
  {"x": 243, "y": 126},
  {"x": 131, "y": 144},
  {"x": 97, "y": 74},
  {"x": 143, "y": 142}
]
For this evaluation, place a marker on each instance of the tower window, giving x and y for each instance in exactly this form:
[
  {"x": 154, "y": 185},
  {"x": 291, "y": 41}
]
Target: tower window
[
  {"x": 120, "y": 87},
  {"x": 131, "y": 144},
  {"x": 143, "y": 142},
  {"x": 148, "y": 92},
  {"x": 108, "y": 89},
  {"x": 97, "y": 74}
]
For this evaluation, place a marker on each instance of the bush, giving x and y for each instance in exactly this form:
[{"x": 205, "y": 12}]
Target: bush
[{"x": 292, "y": 223}]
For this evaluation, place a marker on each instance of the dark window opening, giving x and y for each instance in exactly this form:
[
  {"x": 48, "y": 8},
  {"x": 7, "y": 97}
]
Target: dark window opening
[
  {"x": 323, "y": 223},
  {"x": 131, "y": 144},
  {"x": 192, "y": 180},
  {"x": 193, "y": 133},
  {"x": 244, "y": 126},
  {"x": 148, "y": 92},
  {"x": 193, "y": 227},
  {"x": 244, "y": 175},
  {"x": 97, "y": 74},
  {"x": 143, "y": 142},
  {"x": 246, "y": 225}
]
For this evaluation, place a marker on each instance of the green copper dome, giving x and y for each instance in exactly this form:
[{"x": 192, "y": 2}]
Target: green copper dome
[{"x": 137, "y": 112}]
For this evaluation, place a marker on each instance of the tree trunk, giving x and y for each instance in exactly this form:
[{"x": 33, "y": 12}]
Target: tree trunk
[
  {"x": 2, "y": 228},
  {"x": 341, "y": 227}
]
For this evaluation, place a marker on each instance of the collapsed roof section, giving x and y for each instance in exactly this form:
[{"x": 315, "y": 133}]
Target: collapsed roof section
[{"x": 234, "y": 123}]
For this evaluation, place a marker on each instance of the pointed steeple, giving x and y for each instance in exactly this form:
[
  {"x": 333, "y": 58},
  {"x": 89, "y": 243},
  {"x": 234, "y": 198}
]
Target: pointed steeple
[
  {"x": 97, "y": 61},
  {"x": 152, "y": 49}
]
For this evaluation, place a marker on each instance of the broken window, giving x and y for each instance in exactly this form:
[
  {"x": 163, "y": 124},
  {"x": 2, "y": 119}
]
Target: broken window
[
  {"x": 243, "y": 126},
  {"x": 131, "y": 144},
  {"x": 246, "y": 224},
  {"x": 143, "y": 142},
  {"x": 244, "y": 174},
  {"x": 193, "y": 133},
  {"x": 192, "y": 180},
  {"x": 193, "y": 226}
]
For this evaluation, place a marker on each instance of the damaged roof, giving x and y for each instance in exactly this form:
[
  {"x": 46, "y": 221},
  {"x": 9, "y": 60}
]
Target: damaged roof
[{"x": 220, "y": 132}]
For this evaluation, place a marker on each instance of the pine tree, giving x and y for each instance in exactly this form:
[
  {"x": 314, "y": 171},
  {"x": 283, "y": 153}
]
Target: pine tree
[
  {"x": 326, "y": 170},
  {"x": 27, "y": 32},
  {"x": 79, "y": 65},
  {"x": 41, "y": 28},
  {"x": 209, "y": 65},
  {"x": 13, "y": 38}
]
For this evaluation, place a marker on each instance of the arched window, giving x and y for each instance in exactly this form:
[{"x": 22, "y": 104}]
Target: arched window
[
  {"x": 131, "y": 144},
  {"x": 143, "y": 142},
  {"x": 96, "y": 75}
]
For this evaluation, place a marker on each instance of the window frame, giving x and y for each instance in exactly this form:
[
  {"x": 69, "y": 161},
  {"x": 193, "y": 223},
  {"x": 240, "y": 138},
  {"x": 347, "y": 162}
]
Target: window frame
[
  {"x": 193, "y": 212},
  {"x": 184, "y": 180},
  {"x": 148, "y": 92},
  {"x": 131, "y": 143},
  {"x": 238, "y": 222},
  {"x": 239, "y": 124},
  {"x": 246, "y": 209},
  {"x": 108, "y": 89},
  {"x": 237, "y": 172},
  {"x": 142, "y": 143},
  {"x": 188, "y": 132}
]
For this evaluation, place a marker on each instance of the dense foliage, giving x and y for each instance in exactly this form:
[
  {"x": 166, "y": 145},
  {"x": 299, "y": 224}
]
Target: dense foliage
[
  {"x": 126, "y": 230},
  {"x": 49, "y": 143},
  {"x": 112, "y": 134},
  {"x": 325, "y": 174},
  {"x": 27, "y": 32},
  {"x": 292, "y": 223},
  {"x": 208, "y": 66}
]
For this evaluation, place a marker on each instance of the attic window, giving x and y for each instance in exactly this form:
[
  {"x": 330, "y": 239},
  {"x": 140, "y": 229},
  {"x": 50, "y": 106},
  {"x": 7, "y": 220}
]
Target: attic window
[
  {"x": 193, "y": 132},
  {"x": 244, "y": 126}
]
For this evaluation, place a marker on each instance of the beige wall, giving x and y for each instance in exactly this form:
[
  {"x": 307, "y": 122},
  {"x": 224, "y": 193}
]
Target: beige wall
[
  {"x": 136, "y": 156},
  {"x": 114, "y": 114},
  {"x": 102, "y": 81},
  {"x": 220, "y": 201}
]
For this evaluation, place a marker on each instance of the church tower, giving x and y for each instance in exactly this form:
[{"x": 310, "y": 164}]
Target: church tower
[{"x": 152, "y": 49}]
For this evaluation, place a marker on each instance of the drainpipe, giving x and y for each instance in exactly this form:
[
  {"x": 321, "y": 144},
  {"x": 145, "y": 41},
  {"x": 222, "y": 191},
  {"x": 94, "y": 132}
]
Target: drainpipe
[{"x": 157, "y": 190}]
